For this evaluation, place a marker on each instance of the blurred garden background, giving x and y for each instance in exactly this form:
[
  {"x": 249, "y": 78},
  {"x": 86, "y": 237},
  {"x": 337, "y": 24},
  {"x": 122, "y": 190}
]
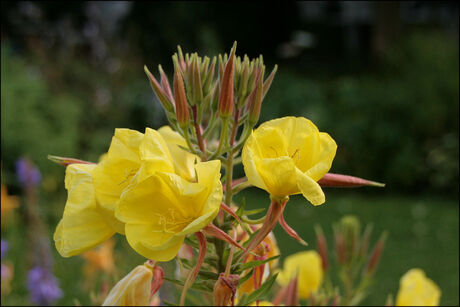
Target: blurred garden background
[{"x": 380, "y": 77}]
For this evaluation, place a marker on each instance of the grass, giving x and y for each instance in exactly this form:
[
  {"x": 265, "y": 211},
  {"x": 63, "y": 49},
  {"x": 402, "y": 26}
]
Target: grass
[{"x": 423, "y": 232}]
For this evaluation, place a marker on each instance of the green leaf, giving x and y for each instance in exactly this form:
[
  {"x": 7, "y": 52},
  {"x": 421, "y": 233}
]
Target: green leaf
[
  {"x": 254, "y": 211},
  {"x": 240, "y": 210},
  {"x": 169, "y": 303},
  {"x": 208, "y": 275},
  {"x": 252, "y": 264},
  {"x": 259, "y": 293},
  {"x": 245, "y": 277},
  {"x": 197, "y": 285}
]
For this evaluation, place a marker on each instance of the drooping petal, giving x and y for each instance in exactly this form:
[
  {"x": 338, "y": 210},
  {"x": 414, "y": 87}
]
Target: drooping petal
[
  {"x": 310, "y": 189},
  {"x": 82, "y": 226},
  {"x": 182, "y": 159}
]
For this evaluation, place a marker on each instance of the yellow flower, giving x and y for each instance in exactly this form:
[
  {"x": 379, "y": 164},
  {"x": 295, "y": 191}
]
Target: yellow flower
[
  {"x": 262, "y": 303},
  {"x": 288, "y": 156},
  {"x": 133, "y": 289},
  {"x": 82, "y": 226},
  {"x": 99, "y": 259},
  {"x": 307, "y": 266},
  {"x": 164, "y": 202},
  {"x": 271, "y": 249},
  {"x": 124, "y": 159},
  {"x": 415, "y": 289},
  {"x": 7, "y": 202}
]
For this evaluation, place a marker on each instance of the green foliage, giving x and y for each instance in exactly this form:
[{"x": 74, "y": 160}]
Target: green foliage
[
  {"x": 35, "y": 121},
  {"x": 399, "y": 126}
]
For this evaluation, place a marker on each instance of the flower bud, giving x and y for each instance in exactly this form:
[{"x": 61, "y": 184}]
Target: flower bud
[
  {"x": 165, "y": 84},
  {"x": 159, "y": 91},
  {"x": 134, "y": 289},
  {"x": 322, "y": 247},
  {"x": 181, "y": 100},
  {"x": 338, "y": 180},
  {"x": 66, "y": 161},
  {"x": 225, "y": 289},
  {"x": 375, "y": 255},
  {"x": 226, "y": 92}
]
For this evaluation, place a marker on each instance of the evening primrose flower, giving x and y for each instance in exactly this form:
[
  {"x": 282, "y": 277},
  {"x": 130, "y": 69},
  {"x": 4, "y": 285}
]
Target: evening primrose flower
[
  {"x": 113, "y": 174},
  {"x": 415, "y": 289},
  {"x": 164, "y": 203},
  {"x": 288, "y": 156},
  {"x": 307, "y": 267}
]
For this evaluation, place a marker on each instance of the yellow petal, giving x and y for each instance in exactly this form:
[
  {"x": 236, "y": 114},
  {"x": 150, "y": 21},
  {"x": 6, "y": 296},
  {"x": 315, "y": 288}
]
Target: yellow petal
[
  {"x": 278, "y": 175},
  {"x": 82, "y": 226},
  {"x": 250, "y": 169},
  {"x": 325, "y": 155},
  {"x": 133, "y": 289},
  {"x": 310, "y": 189},
  {"x": 158, "y": 245},
  {"x": 307, "y": 266},
  {"x": 115, "y": 171},
  {"x": 184, "y": 161}
]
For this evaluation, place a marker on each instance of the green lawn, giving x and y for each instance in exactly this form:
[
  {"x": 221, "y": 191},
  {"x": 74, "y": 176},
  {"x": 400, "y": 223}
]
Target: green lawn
[{"x": 423, "y": 232}]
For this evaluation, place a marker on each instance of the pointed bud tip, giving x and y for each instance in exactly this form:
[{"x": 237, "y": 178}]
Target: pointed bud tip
[{"x": 377, "y": 184}]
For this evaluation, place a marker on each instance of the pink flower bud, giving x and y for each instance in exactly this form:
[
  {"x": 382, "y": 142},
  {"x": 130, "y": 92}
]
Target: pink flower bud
[
  {"x": 181, "y": 100},
  {"x": 226, "y": 92},
  {"x": 338, "y": 180}
]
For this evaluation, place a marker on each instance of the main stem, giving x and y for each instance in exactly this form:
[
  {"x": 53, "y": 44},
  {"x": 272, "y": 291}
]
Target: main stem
[{"x": 198, "y": 131}]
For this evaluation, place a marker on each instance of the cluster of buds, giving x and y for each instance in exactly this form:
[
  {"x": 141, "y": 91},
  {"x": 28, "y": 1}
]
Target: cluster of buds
[
  {"x": 352, "y": 255},
  {"x": 226, "y": 89}
]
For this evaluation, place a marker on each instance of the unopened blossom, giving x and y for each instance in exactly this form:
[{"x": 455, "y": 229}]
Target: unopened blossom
[
  {"x": 415, "y": 289},
  {"x": 163, "y": 204},
  {"x": 43, "y": 286},
  {"x": 307, "y": 267},
  {"x": 135, "y": 289},
  {"x": 288, "y": 156}
]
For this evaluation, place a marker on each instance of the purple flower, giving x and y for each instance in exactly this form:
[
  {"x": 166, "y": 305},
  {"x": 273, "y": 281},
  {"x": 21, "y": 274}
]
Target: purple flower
[
  {"x": 43, "y": 286},
  {"x": 28, "y": 174},
  {"x": 4, "y": 248}
]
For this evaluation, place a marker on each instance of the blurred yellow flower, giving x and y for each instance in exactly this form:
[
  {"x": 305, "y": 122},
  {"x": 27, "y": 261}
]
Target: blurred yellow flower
[
  {"x": 262, "y": 303},
  {"x": 164, "y": 202},
  {"x": 271, "y": 249},
  {"x": 99, "y": 259},
  {"x": 8, "y": 202},
  {"x": 307, "y": 267},
  {"x": 415, "y": 289},
  {"x": 134, "y": 289},
  {"x": 82, "y": 226},
  {"x": 288, "y": 156}
]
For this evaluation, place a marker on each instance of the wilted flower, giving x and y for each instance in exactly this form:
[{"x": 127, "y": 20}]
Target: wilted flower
[
  {"x": 135, "y": 289},
  {"x": 415, "y": 289},
  {"x": 43, "y": 286},
  {"x": 288, "y": 156},
  {"x": 307, "y": 267},
  {"x": 225, "y": 289}
]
